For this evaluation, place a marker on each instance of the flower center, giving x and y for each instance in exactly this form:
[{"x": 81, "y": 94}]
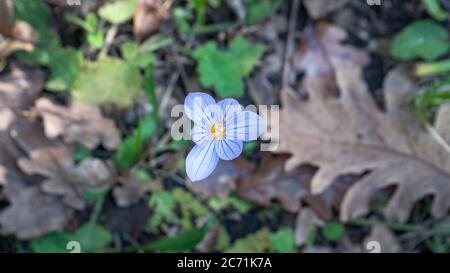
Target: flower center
[{"x": 217, "y": 131}]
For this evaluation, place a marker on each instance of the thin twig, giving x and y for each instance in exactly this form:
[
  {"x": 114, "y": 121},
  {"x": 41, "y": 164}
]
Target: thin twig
[
  {"x": 168, "y": 93},
  {"x": 437, "y": 136},
  {"x": 110, "y": 35}
]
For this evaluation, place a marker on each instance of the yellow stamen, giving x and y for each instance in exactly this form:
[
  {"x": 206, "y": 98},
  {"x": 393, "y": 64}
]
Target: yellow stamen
[{"x": 217, "y": 131}]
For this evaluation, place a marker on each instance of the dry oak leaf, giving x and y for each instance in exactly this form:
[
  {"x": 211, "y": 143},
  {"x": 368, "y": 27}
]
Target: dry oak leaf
[
  {"x": 20, "y": 87},
  {"x": 33, "y": 213},
  {"x": 63, "y": 177},
  {"x": 79, "y": 123},
  {"x": 271, "y": 181},
  {"x": 348, "y": 134}
]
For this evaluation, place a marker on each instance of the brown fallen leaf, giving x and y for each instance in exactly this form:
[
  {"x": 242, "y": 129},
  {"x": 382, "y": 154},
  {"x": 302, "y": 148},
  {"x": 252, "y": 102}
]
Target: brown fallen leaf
[
  {"x": 271, "y": 181},
  {"x": 382, "y": 236},
  {"x": 306, "y": 221},
  {"x": 348, "y": 134},
  {"x": 320, "y": 8},
  {"x": 32, "y": 213},
  {"x": 14, "y": 36},
  {"x": 19, "y": 87},
  {"x": 53, "y": 160},
  {"x": 63, "y": 177},
  {"x": 223, "y": 180},
  {"x": 318, "y": 45},
  {"x": 78, "y": 123},
  {"x": 147, "y": 17}
]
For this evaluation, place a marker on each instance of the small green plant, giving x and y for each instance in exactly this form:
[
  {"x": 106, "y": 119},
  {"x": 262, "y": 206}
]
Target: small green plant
[
  {"x": 94, "y": 33},
  {"x": 130, "y": 150},
  {"x": 225, "y": 70},
  {"x": 426, "y": 102}
]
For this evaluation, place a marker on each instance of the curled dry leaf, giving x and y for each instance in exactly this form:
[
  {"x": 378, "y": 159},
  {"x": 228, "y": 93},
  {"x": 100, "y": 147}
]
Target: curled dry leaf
[
  {"x": 78, "y": 123},
  {"x": 384, "y": 237},
  {"x": 147, "y": 17},
  {"x": 291, "y": 188},
  {"x": 14, "y": 36},
  {"x": 347, "y": 134},
  {"x": 320, "y": 8},
  {"x": 20, "y": 87},
  {"x": 131, "y": 190},
  {"x": 223, "y": 180}
]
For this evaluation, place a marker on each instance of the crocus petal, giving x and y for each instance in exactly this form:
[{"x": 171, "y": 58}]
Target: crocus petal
[
  {"x": 201, "y": 161},
  {"x": 228, "y": 149},
  {"x": 196, "y": 107},
  {"x": 229, "y": 108},
  {"x": 245, "y": 126},
  {"x": 200, "y": 135}
]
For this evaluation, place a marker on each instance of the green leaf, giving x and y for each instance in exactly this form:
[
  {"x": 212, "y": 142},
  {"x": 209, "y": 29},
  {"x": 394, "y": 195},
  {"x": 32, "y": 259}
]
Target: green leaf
[
  {"x": 95, "y": 196},
  {"x": 434, "y": 9},
  {"x": 190, "y": 208},
  {"x": 64, "y": 64},
  {"x": 239, "y": 204},
  {"x": 224, "y": 70},
  {"x": 247, "y": 54},
  {"x": 129, "y": 151},
  {"x": 428, "y": 69},
  {"x": 155, "y": 42},
  {"x": 182, "y": 17},
  {"x": 148, "y": 128},
  {"x": 92, "y": 237},
  {"x": 108, "y": 80},
  {"x": 118, "y": 12},
  {"x": 81, "y": 152},
  {"x": 258, "y": 10},
  {"x": 51, "y": 243},
  {"x": 34, "y": 12},
  {"x": 423, "y": 39},
  {"x": 129, "y": 50},
  {"x": 96, "y": 39},
  {"x": 163, "y": 205},
  {"x": 127, "y": 155},
  {"x": 178, "y": 144},
  {"x": 218, "y": 70},
  {"x": 283, "y": 241},
  {"x": 183, "y": 241},
  {"x": 333, "y": 231},
  {"x": 91, "y": 22},
  {"x": 149, "y": 86},
  {"x": 257, "y": 242}
]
